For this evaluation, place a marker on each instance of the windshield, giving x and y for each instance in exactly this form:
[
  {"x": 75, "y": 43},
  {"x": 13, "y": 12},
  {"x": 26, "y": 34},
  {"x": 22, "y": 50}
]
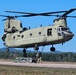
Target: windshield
[{"x": 65, "y": 29}]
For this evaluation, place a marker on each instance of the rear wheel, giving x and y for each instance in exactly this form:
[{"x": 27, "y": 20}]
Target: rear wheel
[{"x": 24, "y": 52}]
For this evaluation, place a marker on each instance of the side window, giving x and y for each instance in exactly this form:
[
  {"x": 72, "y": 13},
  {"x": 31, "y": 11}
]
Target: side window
[
  {"x": 58, "y": 29},
  {"x": 22, "y": 36},
  {"x": 30, "y": 34},
  {"x": 49, "y": 32},
  {"x": 39, "y": 33},
  {"x": 13, "y": 37}
]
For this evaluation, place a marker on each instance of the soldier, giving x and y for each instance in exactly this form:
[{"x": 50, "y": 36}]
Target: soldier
[{"x": 39, "y": 56}]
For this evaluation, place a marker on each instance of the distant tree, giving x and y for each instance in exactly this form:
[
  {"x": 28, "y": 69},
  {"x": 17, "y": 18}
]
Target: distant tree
[{"x": 53, "y": 57}]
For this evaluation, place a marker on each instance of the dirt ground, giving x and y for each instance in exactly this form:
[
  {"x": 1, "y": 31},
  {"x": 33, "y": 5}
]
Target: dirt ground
[{"x": 42, "y": 64}]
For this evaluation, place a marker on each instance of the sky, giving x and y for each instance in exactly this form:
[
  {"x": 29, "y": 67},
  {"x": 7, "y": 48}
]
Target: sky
[{"x": 38, "y": 6}]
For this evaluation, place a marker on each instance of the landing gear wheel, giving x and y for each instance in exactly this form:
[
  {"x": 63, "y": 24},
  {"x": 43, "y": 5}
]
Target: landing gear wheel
[
  {"x": 24, "y": 52},
  {"x": 7, "y": 49},
  {"x": 52, "y": 49}
]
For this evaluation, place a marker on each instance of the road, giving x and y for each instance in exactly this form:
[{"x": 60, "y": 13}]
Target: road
[{"x": 52, "y": 65}]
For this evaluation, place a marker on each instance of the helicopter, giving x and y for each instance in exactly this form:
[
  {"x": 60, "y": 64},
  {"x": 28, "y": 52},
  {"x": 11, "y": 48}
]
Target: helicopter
[{"x": 15, "y": 36}]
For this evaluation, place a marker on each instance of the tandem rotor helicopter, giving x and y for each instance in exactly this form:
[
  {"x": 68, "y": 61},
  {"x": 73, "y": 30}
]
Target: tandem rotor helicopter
[{"x": 15, "y": 36}]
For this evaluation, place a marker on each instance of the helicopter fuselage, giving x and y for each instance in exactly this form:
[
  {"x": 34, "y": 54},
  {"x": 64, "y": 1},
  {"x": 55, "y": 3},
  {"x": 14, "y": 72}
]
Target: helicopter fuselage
[{"x": 40, "y": 36}]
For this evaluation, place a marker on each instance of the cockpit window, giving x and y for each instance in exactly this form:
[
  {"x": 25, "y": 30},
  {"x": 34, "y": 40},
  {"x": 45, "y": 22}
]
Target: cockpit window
[{"x": 64, "y": 29}]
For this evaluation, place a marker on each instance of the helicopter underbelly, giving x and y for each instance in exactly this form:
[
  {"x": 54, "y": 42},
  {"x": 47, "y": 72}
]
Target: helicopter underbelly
[
  {"x": 29, "y": 42},
  {"x": 40, "y": 41}
]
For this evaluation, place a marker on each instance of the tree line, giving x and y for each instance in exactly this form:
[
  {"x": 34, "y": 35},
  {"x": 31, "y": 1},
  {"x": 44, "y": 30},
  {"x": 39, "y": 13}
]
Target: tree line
[{"x": 53, "y": 57}]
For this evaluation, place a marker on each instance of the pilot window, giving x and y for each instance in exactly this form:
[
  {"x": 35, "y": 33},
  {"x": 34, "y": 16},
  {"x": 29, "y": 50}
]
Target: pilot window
[
  {"x": 49, "y": 32},
  {"x": 64, "y": 29}
]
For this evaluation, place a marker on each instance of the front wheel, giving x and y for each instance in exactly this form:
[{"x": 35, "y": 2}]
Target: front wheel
[{"x": 52, "y": 49}]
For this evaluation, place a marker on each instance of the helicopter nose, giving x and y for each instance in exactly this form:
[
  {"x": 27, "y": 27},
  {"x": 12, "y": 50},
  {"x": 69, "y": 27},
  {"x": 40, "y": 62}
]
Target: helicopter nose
[{"x": 70, "y": 35}]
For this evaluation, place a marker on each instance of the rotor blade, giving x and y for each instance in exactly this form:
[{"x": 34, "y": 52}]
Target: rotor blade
[
  {"x": 61, "y": 16},
  {"x": 3, "y": 15},
  {"x": 47, "y": 13},
  {"x": 9, "y": 16},
  {"x": 68, "y": 12},
  {"x": 36, "y": 13},
  {"x": 25, "y": 15},
  {"x": 64, "y": 17},
  {"x": 44, "y": 15},
  {"x": 19, "y": 12},
  {"x": 71, "y": 16},
  {"x": 32, "y": 15},
  {"x": 4, "y": 19}
]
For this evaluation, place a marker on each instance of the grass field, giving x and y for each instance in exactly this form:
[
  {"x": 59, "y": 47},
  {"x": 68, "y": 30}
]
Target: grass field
[{"x": 18, "y": 70}]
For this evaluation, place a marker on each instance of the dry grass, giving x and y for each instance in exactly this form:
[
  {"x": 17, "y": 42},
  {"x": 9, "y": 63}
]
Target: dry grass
[{"x": 18, "y": 70}]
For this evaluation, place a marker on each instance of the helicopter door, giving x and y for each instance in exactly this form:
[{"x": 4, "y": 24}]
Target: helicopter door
[
  {"x": 59, "y": 31},
  {"x": 49, "y": 32}
]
